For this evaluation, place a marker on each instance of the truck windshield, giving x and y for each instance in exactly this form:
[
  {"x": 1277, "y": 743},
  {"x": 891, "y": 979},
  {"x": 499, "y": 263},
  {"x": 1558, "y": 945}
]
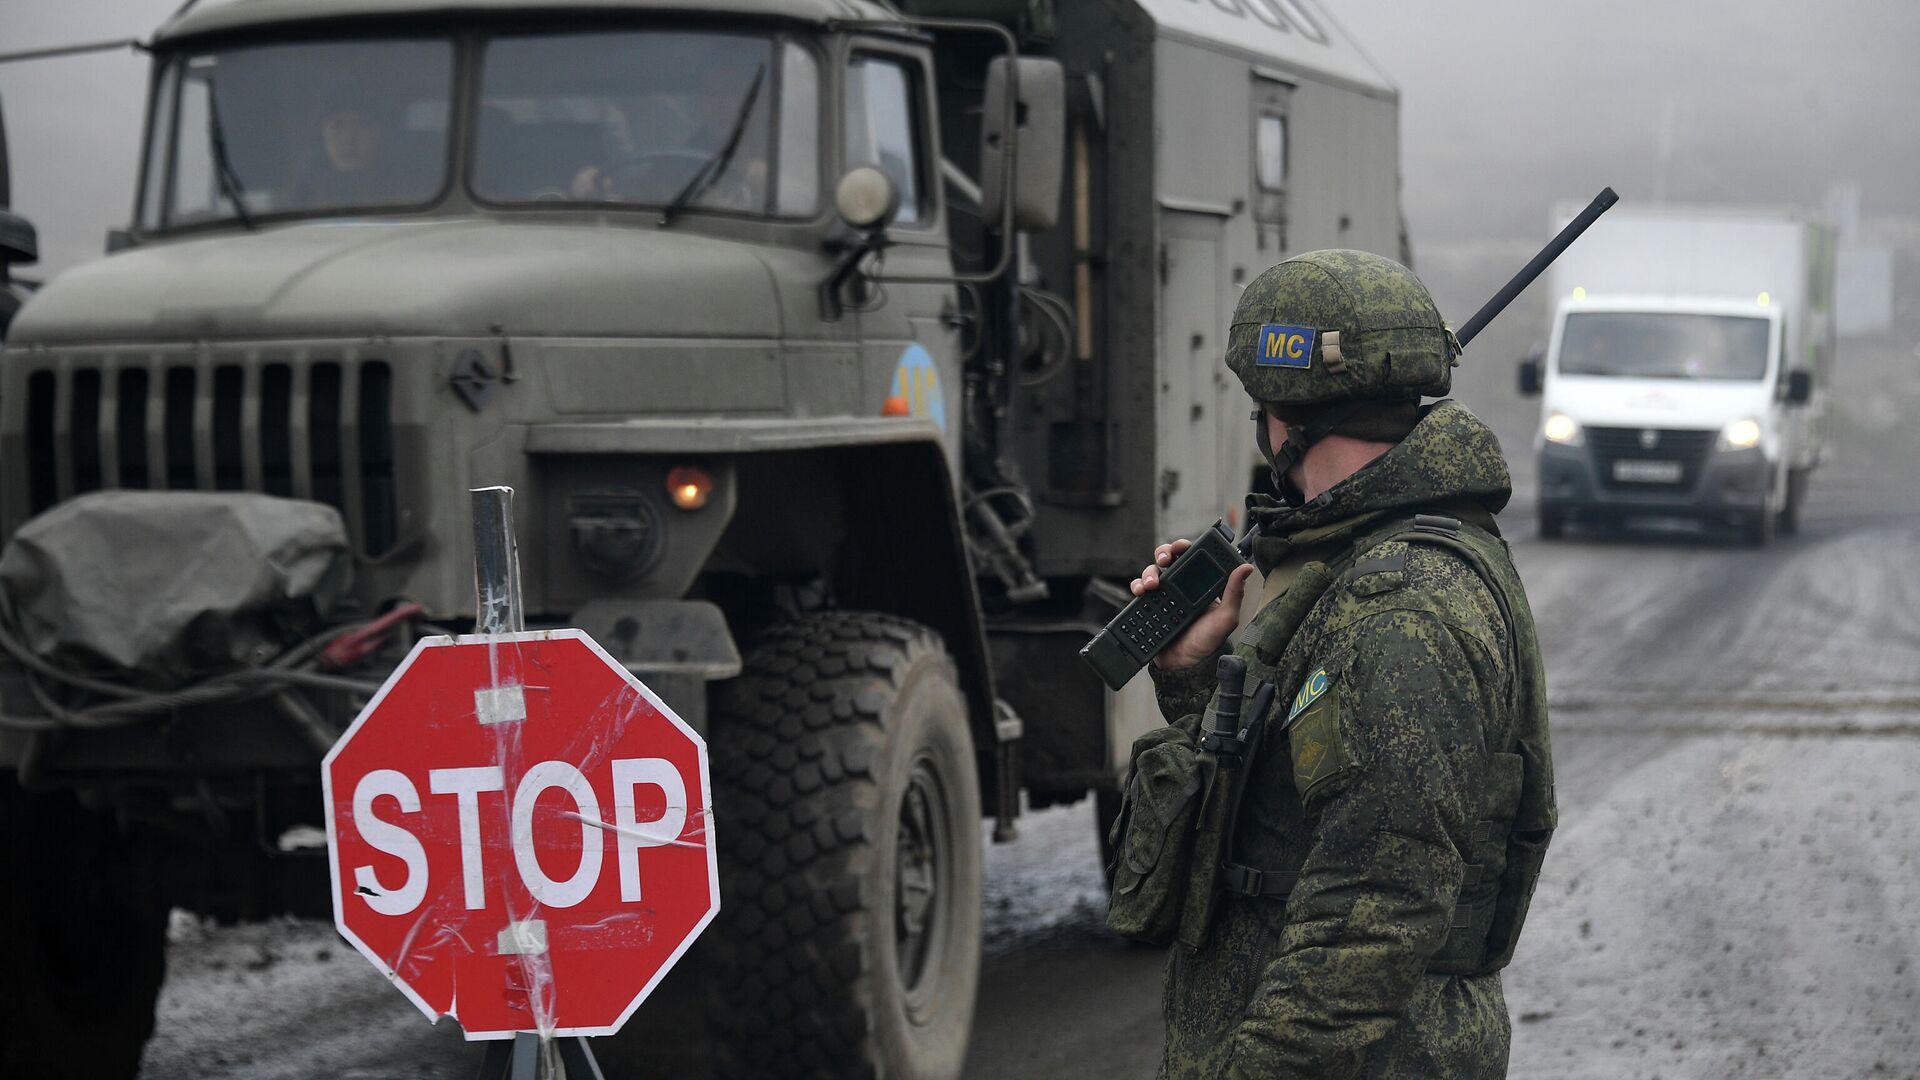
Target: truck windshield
[
  {"x": 312, "y": 127},
  {"x": 650, "y": 118},
  {"x": 1664, "y": 345}
]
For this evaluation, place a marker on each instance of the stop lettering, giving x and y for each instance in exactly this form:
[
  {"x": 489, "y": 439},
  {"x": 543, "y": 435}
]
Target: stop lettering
[{"x": 519, "y": 834}]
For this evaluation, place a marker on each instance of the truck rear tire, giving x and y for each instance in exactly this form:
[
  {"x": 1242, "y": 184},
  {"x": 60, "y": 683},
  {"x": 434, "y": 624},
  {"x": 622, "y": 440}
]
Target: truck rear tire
[
  {"x": 848, "y": 818},
  {"x": 87, "y": 932}
]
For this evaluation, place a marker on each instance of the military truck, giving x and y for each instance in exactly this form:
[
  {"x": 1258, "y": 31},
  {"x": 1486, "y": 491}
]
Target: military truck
[{"x": 846, "y": 360}]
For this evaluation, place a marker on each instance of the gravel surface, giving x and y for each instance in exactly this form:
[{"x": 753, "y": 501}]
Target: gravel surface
[
  {"x": 1740, "y": 907},
  {"x": 289, "y": 1000},
  {"x": 1734, "y": 892}
]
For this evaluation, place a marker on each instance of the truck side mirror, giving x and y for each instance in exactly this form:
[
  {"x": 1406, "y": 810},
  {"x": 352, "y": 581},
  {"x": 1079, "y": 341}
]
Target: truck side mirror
[
  {"x": 6, "y": 169},
  {"x": 1530, "y": 377},
  {"x": 1038, "y": 141},
  {"x": 1799, "y": 387},
  {"x": 19, "y": 242}
]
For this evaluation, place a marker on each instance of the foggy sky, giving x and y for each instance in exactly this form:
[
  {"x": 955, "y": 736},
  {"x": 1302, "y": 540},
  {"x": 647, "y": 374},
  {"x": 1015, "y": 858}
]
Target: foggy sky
[
  {"x": 1508, "y": 106},
  {"x": 1511, "y": 105}
]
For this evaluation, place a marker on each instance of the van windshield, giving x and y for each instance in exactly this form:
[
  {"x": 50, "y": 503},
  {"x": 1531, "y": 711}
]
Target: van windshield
[
  {"x": 1664, "y": 345},
  {"x": 299, "y": 128}
]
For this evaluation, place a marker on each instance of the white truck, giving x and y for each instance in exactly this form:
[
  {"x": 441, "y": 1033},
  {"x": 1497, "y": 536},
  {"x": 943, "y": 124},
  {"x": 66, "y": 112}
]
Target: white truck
[{"x": 1684, "y": 372}]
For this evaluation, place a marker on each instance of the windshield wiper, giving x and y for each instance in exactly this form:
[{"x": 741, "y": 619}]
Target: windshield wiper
[
  {"x": 222, "y": 164},
  {"x": 717, "y": 164}
]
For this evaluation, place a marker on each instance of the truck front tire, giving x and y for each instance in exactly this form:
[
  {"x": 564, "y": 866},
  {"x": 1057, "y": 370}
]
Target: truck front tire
[
  {"x": 86, "y": 939},
  {"x": 848, "y": 818}
]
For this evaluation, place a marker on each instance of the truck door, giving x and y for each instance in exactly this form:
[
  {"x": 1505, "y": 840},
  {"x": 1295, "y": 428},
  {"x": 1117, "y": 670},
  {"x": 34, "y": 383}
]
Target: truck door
[
  {"x": 1271, "y": 98},
  {"x": 909, "y": 349},
  {"x": 1191, "y": 375}
]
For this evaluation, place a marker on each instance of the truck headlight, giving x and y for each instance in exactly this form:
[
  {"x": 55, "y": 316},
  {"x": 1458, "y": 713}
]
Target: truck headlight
[
  {"x": 1740, "y": 435},
  {"x": 1563, "y": 429},
  {"x": 617, "y": 534}
]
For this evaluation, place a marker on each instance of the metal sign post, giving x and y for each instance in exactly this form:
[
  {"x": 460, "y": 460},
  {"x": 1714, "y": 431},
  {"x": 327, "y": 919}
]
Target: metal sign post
[
  {"x": 498, "y": 610},
  {"x": 519, "y": 829}
]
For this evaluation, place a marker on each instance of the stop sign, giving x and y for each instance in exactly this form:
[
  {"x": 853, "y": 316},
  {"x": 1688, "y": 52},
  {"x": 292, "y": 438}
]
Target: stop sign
[{"x": 519, "y": 834}]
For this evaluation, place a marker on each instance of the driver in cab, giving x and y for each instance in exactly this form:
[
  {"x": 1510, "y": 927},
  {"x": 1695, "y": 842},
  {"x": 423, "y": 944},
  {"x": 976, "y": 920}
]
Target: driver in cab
[
  {"x": 722, "y": 151},
  {"x": 351, "y": 166}
]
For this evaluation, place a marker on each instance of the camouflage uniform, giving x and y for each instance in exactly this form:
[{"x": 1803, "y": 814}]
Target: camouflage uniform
[{"x": 1377, "y": 789}]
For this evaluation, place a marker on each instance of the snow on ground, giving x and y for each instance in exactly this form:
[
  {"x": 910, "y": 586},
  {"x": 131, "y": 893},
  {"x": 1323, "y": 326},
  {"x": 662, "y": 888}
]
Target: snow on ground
[
  {"x": 1048, "y": 885},
  {"x": 288, "y": 999},
  {"x": 1737, "y": 907}
]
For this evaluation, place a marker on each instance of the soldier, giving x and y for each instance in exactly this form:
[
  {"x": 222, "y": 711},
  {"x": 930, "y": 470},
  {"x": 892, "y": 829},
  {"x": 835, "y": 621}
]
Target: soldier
[{"x": 1391, "y": 816}]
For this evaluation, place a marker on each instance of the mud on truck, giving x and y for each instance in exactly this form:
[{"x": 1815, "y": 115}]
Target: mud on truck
[{"x": 845, "y": 359}]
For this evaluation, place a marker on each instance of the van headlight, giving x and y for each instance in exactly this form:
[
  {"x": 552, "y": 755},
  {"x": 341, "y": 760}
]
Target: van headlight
[
  {"x": 1563, "y": 429},
  {"x": 1740, "y": 435}
]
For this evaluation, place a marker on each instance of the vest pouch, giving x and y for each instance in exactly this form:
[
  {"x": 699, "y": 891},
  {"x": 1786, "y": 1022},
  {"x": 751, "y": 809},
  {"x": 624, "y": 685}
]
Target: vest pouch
[
  {"x": 1152, "y": 839},
  {"x": 1477, "y": 908},
  {"x": 1533, "y": 827},
  {"x": 1210, "y": 830}
]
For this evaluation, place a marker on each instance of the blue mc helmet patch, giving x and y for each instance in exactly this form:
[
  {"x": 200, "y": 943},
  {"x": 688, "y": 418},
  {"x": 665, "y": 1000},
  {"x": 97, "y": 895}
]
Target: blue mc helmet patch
[{"x": 1285, "y": 346}]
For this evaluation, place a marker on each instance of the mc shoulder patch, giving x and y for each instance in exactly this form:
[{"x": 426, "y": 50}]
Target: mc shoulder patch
[
  {"x": 1310, "y": 692},
  {"x": 1318, "y": 745},
  {"x": 1284, "y": 346}
]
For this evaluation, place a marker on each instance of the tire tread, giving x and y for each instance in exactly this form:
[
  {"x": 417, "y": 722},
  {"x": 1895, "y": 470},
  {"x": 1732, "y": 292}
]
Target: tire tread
[{"x": 798, "y": 736}]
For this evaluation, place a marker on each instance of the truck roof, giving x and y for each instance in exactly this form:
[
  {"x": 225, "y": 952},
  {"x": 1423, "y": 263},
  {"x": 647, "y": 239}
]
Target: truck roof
[
  {"x": 1564, "y": 212},
  {"x": 1298, "y": 35},
  {"x": 1293, "y": 35},
  {"x": 220, "y": 16},
  {"x": 1695, "y": 251}
]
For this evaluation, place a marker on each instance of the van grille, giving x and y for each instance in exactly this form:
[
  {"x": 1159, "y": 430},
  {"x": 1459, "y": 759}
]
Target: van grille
[
  {"x": 1686, "y": 448},
  {"x": 319, "y": 430}
]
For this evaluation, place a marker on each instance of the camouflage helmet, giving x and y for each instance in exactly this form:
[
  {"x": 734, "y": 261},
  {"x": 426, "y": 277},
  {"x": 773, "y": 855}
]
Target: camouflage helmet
[{"x": 1339, "y": 325}]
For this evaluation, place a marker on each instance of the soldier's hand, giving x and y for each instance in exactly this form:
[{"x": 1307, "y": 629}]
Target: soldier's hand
[{"x": 1211, "y": 629}]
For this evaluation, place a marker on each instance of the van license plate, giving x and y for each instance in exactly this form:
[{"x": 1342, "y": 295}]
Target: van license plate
[{"x": 1636, "y": 471}]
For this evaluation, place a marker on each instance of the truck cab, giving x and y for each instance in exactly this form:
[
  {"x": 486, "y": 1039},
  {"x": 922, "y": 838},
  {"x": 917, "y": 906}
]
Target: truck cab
[{"x": 380, "y": 256}]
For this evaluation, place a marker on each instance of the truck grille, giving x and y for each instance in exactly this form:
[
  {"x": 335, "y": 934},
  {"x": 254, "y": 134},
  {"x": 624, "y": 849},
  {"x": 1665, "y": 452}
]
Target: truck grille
[
  {"x": 319, "y": 430},
  {"x": 1686, "y": 448}
]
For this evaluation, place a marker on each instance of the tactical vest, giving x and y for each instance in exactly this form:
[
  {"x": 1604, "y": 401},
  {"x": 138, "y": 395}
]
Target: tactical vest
[{"x": 1509, "y": 840}]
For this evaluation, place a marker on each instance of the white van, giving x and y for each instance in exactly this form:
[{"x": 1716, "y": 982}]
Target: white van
[{"x": 1682, "y": 376}]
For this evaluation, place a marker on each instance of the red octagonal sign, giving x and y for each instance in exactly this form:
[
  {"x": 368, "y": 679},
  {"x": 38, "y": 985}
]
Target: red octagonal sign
[{"x": 520, "y": 834}]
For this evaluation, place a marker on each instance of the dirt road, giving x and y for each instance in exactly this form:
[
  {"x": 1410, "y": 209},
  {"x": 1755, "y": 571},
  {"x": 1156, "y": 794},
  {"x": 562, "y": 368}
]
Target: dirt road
[{"x": 1735, "y": 891}]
